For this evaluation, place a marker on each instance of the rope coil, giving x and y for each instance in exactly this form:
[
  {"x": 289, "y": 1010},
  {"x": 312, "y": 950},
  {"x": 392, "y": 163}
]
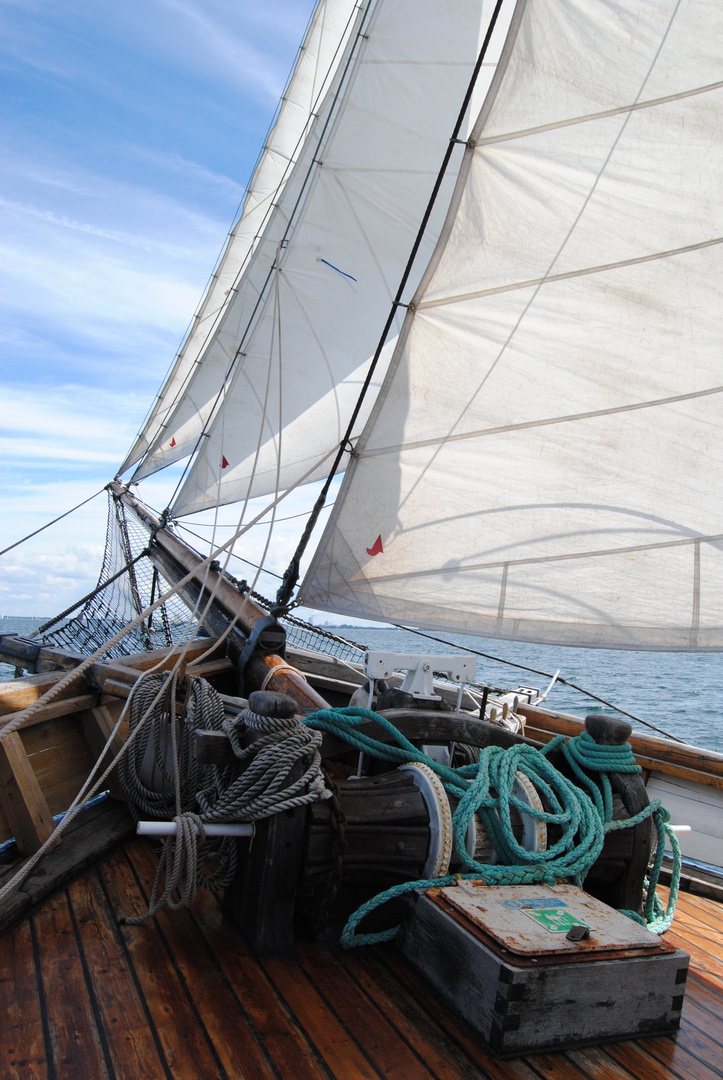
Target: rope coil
[
  {"x": 486, "y": 788},
  {"x": 162, "y": 779}
]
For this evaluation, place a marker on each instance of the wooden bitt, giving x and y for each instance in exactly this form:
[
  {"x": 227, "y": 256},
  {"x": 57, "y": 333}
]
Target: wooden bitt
[
  {"x": 262, "y": 897},
  {"x": 660, "y": 755},
  {"x": 631, "y": 849}
]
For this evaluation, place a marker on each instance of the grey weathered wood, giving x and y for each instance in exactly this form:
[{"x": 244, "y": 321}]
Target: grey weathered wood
[
  {"x": 95, "y": 832},
  {"x": 524, "y": 1009}
]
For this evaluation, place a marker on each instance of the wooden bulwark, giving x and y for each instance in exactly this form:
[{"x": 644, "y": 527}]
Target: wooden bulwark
[
  {"x": 654, "y": 754},
  {"x": 45, "y": 762},
  {"x": 180, "y": 998}
]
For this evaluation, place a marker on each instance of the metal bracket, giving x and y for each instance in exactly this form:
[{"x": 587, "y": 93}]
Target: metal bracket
[
  {"x": 420, "y": 670},
  {"x": 268, "y": 636}
]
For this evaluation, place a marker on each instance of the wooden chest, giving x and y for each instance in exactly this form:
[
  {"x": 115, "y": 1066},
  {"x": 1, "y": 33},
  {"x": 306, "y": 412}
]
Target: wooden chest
[{"x": 503, "y": 960}]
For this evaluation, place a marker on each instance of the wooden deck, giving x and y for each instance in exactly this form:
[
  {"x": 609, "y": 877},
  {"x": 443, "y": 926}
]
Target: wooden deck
[{"x": 81, "y": 996}]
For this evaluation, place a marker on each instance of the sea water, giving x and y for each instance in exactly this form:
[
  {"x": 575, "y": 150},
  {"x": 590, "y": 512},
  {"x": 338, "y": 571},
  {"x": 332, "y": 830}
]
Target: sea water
[{"x": 680, "y": 693}]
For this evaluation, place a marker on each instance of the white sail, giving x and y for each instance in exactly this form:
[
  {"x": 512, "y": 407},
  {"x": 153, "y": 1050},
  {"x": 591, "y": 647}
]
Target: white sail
[
  {"x": 321, "y": 51},
  {"x": 544, "y": 460},
  {"x": 296, "y": 341}
]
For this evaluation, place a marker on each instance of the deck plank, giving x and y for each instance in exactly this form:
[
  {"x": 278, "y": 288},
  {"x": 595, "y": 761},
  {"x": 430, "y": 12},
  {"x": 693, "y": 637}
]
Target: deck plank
[
  {"x": 707, "y": 999},
  {"x": 368, "y": 1023},
  {"x": 259, "y": 1005},
  {"x": 340, "y": 1052},
  {"x": 238, "y": 1047},
  {"x": 75, "y": 1037},
  {"x": 442, "y": 1057},
  {"x": 22, "y": 1043},
  {"x": 178, "y": 1027},
  {"x": 680, "y": 1056},
  {"x": 124, "y": 1020},
  {"x": 181, "y": 997}
]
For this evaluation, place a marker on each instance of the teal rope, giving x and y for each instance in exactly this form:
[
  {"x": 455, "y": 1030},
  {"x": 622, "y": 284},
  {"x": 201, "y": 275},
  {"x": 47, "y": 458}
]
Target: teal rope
[
  {"x": 486, "y": 788},
  {"x": 583, "y": 752}
]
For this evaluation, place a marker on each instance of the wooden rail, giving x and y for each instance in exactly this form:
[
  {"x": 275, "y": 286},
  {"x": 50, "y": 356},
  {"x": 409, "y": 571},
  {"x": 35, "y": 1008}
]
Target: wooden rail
[{"x": 654, "y": 754}]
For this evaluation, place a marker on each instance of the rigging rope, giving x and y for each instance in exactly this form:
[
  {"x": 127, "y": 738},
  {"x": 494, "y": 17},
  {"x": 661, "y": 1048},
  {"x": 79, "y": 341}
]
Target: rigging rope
[
  {"x": 486, "y": 788},
  {"x": 291, "y": 576},
  {"x": 49, "y": 523},
  {"x": 89, "y": 596},
  {"x": 281, "y": 771}
]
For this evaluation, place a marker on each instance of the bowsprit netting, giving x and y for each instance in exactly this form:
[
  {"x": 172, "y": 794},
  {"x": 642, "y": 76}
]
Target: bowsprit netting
[
  {"x": 115, "y": 603},
  {"x": 129, "y": 583}
]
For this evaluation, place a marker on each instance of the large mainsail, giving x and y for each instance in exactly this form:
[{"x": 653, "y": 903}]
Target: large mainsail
[
  {"x": 320, "y": 54},
  {"x": 292, "y": 345},
  {"x": 544, "y": 459}
]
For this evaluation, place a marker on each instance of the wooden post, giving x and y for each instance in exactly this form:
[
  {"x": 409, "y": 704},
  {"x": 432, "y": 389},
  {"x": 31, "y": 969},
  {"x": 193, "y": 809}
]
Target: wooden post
[{"x": 22, "y": 800}]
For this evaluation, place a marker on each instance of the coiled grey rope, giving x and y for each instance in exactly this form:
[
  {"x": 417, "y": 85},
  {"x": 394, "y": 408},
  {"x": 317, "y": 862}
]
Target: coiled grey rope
[
  {"x": 162, "y": 757},
  {"x": 264, "y": 787}
]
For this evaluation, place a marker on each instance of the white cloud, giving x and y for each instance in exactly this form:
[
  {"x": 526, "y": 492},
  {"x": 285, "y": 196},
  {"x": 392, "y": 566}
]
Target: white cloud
[{"x": 131, "y": 130}]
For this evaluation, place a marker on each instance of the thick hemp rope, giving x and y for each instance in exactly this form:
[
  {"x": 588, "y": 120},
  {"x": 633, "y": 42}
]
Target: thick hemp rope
[
  {"x": 162, "y": 778},
  {"x": 486, "y": 788}
]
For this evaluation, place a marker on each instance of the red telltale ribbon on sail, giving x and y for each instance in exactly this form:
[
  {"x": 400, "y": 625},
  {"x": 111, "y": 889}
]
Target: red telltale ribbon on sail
[{"x": 376, "y": 548}]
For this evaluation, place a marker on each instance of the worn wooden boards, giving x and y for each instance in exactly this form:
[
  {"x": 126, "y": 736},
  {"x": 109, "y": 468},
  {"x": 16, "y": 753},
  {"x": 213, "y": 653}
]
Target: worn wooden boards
[
  {"x": 534, "y": 1001},
  {"x": 93, "y": 833},
  {"x": 180, "y": 997}
]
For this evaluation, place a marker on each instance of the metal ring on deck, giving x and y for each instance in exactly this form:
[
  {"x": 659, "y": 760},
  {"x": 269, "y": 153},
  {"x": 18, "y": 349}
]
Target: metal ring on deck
[{"x": 441, "y": 839}]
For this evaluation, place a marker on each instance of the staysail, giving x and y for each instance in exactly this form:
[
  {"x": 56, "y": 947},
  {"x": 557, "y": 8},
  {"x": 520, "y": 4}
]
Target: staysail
[
  {"x": 544, "y": 460},
  {"x": 320, "y": 54},
  {"x": 292, "y": 345}
]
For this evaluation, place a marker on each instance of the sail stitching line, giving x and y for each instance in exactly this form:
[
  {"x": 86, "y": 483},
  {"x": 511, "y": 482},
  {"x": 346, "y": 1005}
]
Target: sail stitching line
[
  {"x": 585, "y": 203},
  {"x": 261, "y": 303},
  {"x": 695, "y": 620},
  {"x": 292, "y": 573},
  {"x": 333, "y": 386},
  {"x": 459, "y": 569},
  {"x": 620, "y": 110},
  {"x": 343, "y": 187},
  {"x": 569, "y": 274},
  {"x": 525, "y": 425},
  {"x": 151, "y": 441}
]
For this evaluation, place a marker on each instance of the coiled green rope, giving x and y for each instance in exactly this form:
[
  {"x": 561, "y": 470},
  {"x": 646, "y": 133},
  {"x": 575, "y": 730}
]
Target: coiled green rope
[{"x": 486, "y": 788}]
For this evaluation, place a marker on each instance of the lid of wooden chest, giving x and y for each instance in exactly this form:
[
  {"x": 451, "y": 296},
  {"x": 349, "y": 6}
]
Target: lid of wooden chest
[{"x": 534, "y": 920}]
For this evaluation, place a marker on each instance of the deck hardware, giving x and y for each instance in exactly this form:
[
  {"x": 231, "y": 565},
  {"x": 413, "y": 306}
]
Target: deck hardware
[
  {"x": 170, "y": 828},
  {"x": 267, "y": 637},
  {"x": 579, "y": 932},
  {"x": 420, "y": 671}
]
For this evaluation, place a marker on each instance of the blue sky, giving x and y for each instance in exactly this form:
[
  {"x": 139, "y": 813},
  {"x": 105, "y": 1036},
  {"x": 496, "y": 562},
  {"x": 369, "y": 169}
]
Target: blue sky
[{"x": 129, "y": 132}]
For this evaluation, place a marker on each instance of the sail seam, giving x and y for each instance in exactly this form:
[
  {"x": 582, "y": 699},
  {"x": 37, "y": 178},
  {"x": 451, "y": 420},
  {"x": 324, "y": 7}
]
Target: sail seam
[
  {"x": 536, "y": 560},
  {"x": 569, "y": 275},
  {"x": 695, "y": 622},
  {"x": 503, "y": 594},
  {"x": 619, "y": 111},
  {"x": 547, "y": 421},
  {"x": 154, "y": 442}
]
